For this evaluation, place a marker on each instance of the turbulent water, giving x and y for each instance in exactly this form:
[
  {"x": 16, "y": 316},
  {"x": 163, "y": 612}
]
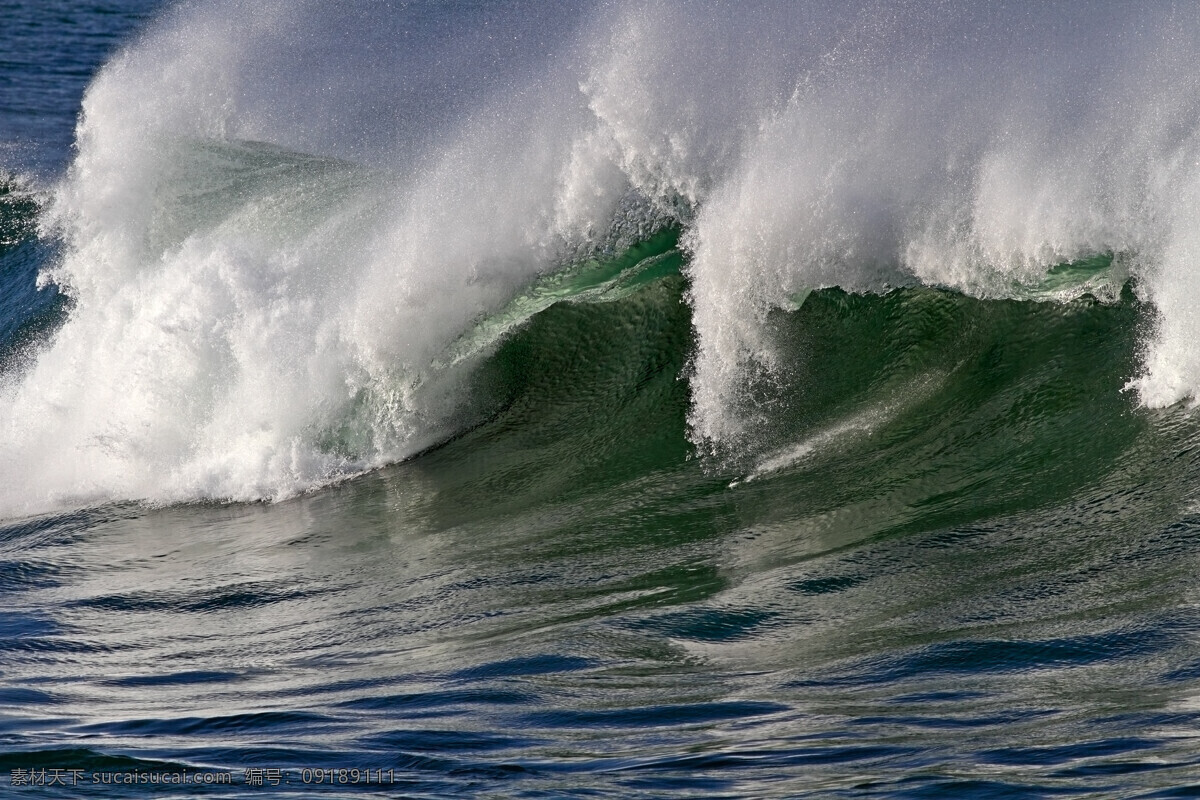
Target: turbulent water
[{"x": 630, "y": 399}]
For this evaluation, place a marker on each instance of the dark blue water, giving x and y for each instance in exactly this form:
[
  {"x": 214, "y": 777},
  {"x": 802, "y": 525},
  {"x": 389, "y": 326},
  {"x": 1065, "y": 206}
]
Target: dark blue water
[
  {"x": 50, "y": 50},
  {"x": 990, "y": 593}
]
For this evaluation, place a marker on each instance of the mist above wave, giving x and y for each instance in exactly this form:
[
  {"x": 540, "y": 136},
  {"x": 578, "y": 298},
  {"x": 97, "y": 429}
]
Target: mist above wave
[{"x": 281, "y": 215}]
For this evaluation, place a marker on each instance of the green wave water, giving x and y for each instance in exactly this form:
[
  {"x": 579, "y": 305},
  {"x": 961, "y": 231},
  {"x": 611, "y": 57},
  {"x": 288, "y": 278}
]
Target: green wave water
[{"x": 917, "y": 407}]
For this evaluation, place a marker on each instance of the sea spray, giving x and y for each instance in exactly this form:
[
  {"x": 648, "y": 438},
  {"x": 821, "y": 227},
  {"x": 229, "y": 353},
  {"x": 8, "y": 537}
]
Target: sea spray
[
  {"x": 973, "y": 148},
  {"x": 251, "y": 321}
]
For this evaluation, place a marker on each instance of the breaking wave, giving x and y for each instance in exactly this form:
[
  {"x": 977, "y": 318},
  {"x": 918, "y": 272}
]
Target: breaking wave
[{"x": 292, "y": 239}]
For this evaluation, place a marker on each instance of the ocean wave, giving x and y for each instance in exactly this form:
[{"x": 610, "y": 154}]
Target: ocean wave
[{"x": 293, "y": 239}]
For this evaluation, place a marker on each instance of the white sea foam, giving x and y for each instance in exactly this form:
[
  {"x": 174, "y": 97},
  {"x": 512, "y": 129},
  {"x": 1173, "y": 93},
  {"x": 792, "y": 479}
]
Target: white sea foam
[
  {"x": 972, "y": 148},
  {"x": 249, "y": 322}
]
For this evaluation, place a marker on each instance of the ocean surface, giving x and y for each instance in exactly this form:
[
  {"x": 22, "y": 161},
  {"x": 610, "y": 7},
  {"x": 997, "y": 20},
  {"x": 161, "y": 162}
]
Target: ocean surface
[{"x": 599, "y": 399}]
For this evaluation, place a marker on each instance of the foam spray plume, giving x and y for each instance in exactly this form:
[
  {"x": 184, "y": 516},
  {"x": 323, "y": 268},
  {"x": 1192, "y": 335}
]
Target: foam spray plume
[{"x": 281, "y": 215}]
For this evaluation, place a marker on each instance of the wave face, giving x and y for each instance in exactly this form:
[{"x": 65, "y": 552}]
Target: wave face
[{"x": 294, "y": 235}]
